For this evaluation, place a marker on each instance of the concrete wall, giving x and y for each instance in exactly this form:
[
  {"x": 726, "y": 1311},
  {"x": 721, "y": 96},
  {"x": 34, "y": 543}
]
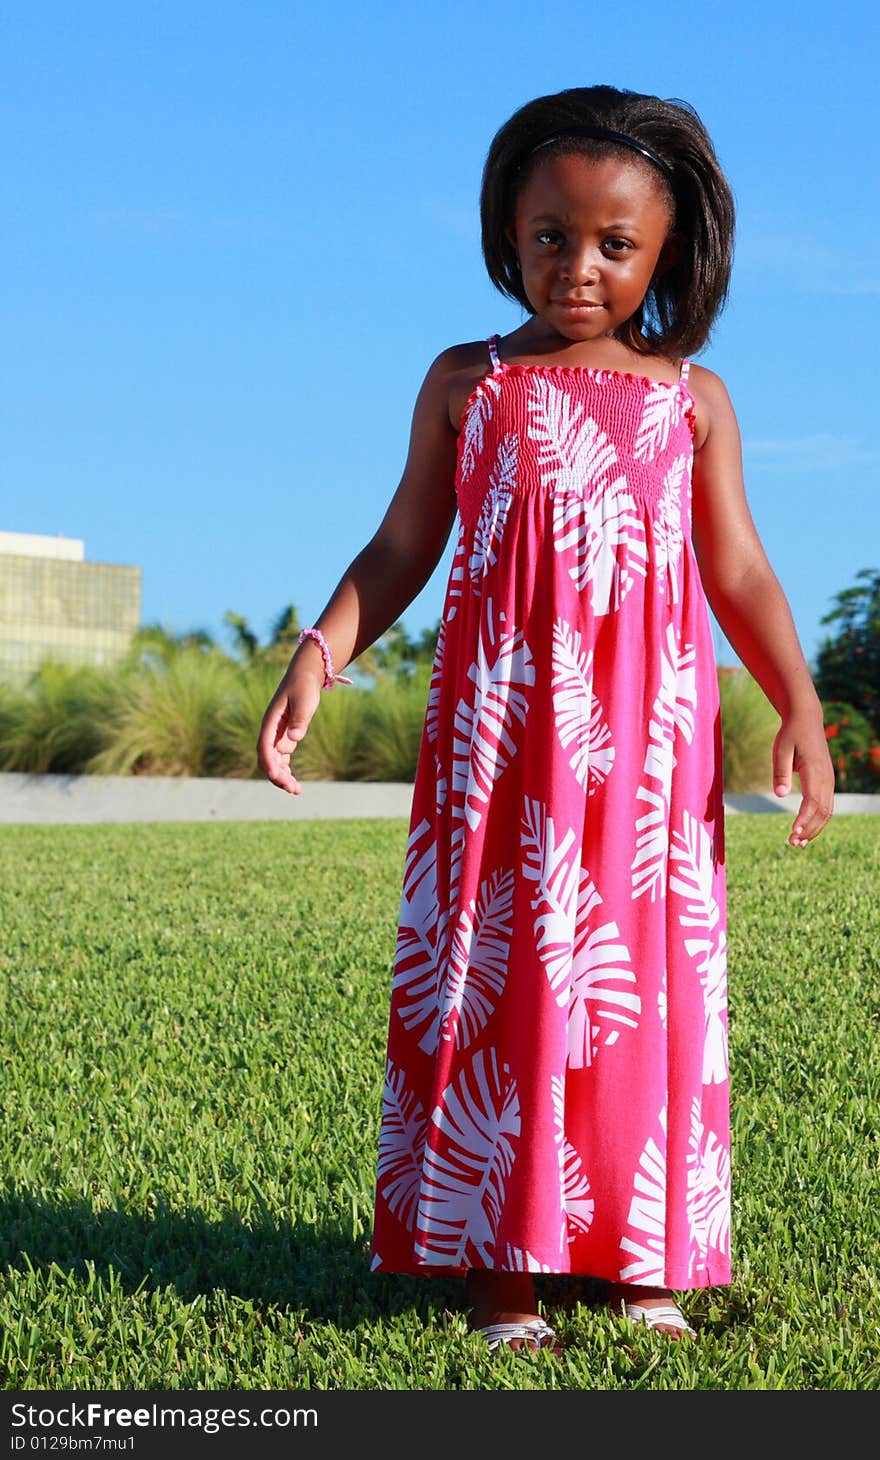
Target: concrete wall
[{"x": 57, "y": 799}]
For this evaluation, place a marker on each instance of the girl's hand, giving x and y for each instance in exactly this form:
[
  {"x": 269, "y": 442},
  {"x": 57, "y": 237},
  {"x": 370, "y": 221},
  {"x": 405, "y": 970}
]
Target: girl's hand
[
  {"x": 801, "y": 745},
  {"x": 286, "y": 721}
]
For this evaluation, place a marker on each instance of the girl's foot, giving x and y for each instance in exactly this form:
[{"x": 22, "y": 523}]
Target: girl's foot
[
  {"x": 503, "y": 1297},
  {"x": 649, "y": 1299}
]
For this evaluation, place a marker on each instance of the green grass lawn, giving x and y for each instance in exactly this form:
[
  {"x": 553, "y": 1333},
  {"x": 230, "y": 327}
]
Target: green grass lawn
[{"x": 191, "y": 1063}]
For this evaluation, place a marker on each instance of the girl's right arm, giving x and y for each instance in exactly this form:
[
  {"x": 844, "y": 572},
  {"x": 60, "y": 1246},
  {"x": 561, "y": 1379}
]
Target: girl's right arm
[
  {"x": 381, "y": 581},
  {"x": 753, "y": 612}
]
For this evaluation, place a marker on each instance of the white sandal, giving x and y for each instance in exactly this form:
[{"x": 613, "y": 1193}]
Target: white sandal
[
  {"x": 668, "y": 1313},
  {"x": 534, "y": 1332}
]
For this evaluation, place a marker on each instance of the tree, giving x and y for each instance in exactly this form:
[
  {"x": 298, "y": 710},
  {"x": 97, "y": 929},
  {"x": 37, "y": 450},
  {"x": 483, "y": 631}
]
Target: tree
[
  {"x": 246, "y": 641},
  {"x": 154, "y": 646},
  {"x": 282, "y": 637},
  {"x": 398, "y": 655},
  {"x": 848, "y": 665}
]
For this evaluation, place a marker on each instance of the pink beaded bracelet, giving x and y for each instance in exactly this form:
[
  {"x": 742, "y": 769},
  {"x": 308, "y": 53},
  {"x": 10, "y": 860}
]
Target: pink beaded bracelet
[{"x": 329, "y": 677}]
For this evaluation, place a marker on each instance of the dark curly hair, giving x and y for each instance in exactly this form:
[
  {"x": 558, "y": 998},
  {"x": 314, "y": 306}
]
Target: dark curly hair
[{"x": 677, "y": 314}]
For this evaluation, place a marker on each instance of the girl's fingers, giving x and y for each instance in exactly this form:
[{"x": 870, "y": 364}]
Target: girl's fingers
[
  {"x": 783, "y": 762},
  {"x": 276, "y": 765},
  {"x": 817, "y": 788},
  {"x": 817, "y": 802},
  {"x": 284, "y": 725},
  {"x": 281, "y": 756},
  {"x": 813, "y": 814},
  {"x": 286, "y": 782},
  {"x": 275, "y": 746}
]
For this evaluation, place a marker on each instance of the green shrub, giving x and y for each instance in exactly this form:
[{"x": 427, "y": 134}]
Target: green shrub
[
  {"x": 168, "y": 721},
  {"x": 854, "y": 747},
  {"x": 848, "y": 664},
  {"x": 251, "y": 688},
  {"x": 393, "y": 721},
  {"x": 59, "y": 721},
  {"x": 749, "y": 725},
  {"x": 330, "y": 748},
  {"x": 189, "y": 709}
]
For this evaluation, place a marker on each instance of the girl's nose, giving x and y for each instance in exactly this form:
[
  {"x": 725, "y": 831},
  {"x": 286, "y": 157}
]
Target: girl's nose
[{"x": 580, "y": 266}]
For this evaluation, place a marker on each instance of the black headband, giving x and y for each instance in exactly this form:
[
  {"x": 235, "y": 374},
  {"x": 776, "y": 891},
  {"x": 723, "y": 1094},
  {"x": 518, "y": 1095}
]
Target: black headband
[{"x": 605, "y": 134}]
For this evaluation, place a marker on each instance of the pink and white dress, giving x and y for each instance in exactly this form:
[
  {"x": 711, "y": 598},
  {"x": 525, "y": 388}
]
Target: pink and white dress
[{"x": 556, "y": 1092}]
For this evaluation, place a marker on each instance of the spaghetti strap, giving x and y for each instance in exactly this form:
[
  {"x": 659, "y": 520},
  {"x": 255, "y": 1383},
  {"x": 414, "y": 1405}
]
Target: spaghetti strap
[
  {"x": 685, "y": 367},
  {"x": 492, "y": 342}
]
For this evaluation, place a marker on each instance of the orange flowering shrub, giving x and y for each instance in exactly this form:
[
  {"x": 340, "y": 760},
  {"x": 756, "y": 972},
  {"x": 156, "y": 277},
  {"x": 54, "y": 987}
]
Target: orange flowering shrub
[{"x": 854, "y": 748}]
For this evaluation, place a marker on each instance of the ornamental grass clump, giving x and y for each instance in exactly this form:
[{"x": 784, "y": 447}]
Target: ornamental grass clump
[
  {"x": 749, "y": 725},
  {"x": 169, "y": 720},
  {"x": 58, "y": 721}
]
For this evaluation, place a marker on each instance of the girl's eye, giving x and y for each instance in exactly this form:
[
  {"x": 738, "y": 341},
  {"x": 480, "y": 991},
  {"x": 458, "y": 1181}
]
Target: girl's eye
[{"x": 554, "y": 238}]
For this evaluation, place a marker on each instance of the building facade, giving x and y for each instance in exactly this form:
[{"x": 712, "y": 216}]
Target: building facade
[{"x": 55, "y": 604}]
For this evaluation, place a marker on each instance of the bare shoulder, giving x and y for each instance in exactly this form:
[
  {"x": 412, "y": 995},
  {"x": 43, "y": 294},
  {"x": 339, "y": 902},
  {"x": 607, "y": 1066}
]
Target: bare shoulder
[
  {"x": 713, "y": 406},
  {"x": 455, "y": 374}
]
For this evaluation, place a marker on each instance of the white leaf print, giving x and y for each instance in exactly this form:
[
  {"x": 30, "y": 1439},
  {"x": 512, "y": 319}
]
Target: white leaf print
[
  {"x": 652, "y": 848},
  {"x": 577, "y": 1203},
  {"x": 401, "y": 1147},
  {"x": 666, "y": 527},
  {"x": 493, "y": 513},
  {"x": 557, "y": 877},
  {"x": 478, "y": 416},
  {"x": 708, "y": 1198},
  {"x": 421, "y": 936},
  {"x": 594, "y": 513},
  {"x": 607, "y": 535},
  {"x": 456, "y": 573},
  {"x": 516, "y": 1259},
  {"x": 692, "y": 850},
  {"x": 662, "y": 412},
  {"x": 435, "y": 684},
  {"x": 598, "y": 1010},
  {"x": 585, "y": 964},
  {"x": 456, "y": 857},
  {"x": 573, "y": 454},
  {"x": 647, "y": 1216},
  {"x": 694, "y": 1200},
  {"x": 713, "y": 971},
  {"x": 484, "y": 742},
  {"x": 673, "y": 710},
  {"x": 578, "y": 715},
  {"x": 441, "y": 786},
  {"x": 465, "y": 1175},
  {"x": 715, "y": 1180},
  {"x": 476, "y": 972}
]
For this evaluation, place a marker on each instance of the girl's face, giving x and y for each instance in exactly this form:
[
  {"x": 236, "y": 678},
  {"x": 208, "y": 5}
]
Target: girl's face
[{"x": 590, "y": 235}]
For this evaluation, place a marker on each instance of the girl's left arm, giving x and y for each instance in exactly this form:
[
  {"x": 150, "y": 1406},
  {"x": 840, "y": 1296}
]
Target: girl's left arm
[{"x": 747, "y": 600}]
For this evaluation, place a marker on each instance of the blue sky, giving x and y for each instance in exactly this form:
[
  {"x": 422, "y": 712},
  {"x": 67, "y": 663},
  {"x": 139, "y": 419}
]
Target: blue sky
[{"x": 235, "y": 237}]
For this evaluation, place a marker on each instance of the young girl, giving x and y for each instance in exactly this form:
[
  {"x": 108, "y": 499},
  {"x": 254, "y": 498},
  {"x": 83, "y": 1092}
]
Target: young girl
[{"x": 556, "y": 1092}]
